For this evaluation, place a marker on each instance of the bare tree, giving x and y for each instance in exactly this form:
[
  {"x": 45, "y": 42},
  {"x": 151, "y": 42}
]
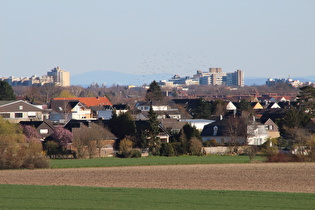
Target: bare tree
[
  {"x": 235, "y": 128},
  {"x": 90, "y": 139}
]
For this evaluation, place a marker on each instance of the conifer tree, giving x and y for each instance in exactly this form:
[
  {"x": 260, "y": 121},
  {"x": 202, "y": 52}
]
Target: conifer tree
[
  {"x": 154, "y": 142},
  {"x": 6, "y": 92},
  {"x": 154, "y": 93}
]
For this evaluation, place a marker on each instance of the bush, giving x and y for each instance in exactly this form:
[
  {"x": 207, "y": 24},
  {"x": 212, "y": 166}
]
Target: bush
[
  {"x": 177, "y": 148},
  {"x": 210, "y": 143},
  {"x": 195, "y": 146},
  {"x": 52, "y": 149},
  {"x": 125, "y": 147},
  {"x": 135, "y": 153},
  {"x": 282, "y": 157},
  {"x": 251, "y": 151},
  {"x": 166, "y": 150},
  {"x": 16, "y": 153}
]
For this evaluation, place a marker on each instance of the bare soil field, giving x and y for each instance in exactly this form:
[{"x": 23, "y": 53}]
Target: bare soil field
[{"x": 279, "y": 177}]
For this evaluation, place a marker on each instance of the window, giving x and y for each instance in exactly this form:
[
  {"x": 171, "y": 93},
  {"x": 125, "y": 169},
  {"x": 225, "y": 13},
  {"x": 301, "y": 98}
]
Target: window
[
  {"x": 5, "y": 115},
  {"x": 32, "y": 114},
  {"x": 18, "y": 115},
  {"x": 20, "y": 107},
  {"x": 43, "y": 131}
]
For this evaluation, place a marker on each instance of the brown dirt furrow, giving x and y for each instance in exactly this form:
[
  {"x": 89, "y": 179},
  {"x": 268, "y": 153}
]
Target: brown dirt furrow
[{"x": 281, "y": 177}]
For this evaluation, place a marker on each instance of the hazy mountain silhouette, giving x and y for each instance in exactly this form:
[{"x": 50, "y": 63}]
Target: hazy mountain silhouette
[{"x": 110, "y": 78}]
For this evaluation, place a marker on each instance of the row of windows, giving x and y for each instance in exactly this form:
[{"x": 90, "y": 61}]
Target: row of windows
[{"x": 7, "y": 115}]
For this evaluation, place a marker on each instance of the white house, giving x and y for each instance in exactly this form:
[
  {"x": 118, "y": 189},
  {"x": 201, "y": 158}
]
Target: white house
[{"x": 65, "y": 110}]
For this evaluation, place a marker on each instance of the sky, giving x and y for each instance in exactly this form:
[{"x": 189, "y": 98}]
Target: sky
[{"x": 263, "y": 38}]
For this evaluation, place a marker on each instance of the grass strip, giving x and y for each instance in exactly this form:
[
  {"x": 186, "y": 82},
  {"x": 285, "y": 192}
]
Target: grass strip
[
  {"x": 181, "y": 160},
  {"x": 75, "y": 197}
]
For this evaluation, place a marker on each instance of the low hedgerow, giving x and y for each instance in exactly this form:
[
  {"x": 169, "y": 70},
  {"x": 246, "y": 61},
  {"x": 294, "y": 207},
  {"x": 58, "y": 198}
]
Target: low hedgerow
[{"x": 284, "y": 157}]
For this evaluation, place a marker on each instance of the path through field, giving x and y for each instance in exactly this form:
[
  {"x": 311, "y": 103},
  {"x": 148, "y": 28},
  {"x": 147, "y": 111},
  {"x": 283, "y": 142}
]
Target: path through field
[{"x": 281, "y": 177}]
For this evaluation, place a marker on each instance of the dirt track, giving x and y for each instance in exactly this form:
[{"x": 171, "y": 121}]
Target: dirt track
[{"x": 282, "y": 177}]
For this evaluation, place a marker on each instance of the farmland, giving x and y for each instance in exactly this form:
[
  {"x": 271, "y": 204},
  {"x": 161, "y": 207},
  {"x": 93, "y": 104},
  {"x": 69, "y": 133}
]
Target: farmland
[
  {"x": 152, "y": 160},
  {"x": 192, "y": 186},
  {"x": 74, "y": 197},
  {"x": 277, "y": 177}
]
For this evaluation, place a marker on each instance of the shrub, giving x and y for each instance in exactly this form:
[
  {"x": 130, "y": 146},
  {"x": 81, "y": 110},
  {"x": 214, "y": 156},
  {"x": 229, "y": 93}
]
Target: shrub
[
  {"x": 16, "y": 153},
  {"x": 195, "y": 146},
  {"x": 177, "y": 148},
  {"x": 166, "y": 149},
  {"x": 210, "y": 143},
  {"x": 125, "y": 146},
  {"x": 251, "y": 151},
  {"x": 135, "y": 153},
  {"x": 52, "y": 149},
  {"x": 311, "y": 148},
  {"x": 283, "y": 157}
]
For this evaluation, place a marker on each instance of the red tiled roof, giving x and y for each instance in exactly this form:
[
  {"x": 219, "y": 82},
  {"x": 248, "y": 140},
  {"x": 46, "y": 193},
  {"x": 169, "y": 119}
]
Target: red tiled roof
[{"x": 90, "y": 101}]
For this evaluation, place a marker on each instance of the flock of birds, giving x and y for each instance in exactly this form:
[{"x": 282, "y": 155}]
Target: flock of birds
[{"x": 172, "y": 63}]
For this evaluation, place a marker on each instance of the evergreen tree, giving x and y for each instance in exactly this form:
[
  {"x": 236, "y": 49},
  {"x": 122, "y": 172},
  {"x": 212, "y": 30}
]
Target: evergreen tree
[
  {"x": 154, "y": 142},
  {"x": 244, "y": 106},
  {"x": 191, "y": 135},
  {"x": 202, "y": 110},
  {"x": 154, "y": 93},
  {"x": 6, "y": 92},
  {"x": 122, "y": 125},
  {"x": 191, "y": 131}
]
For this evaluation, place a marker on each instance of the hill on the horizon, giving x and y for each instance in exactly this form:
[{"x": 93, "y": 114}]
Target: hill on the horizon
[{"x": 110, "y": 78}]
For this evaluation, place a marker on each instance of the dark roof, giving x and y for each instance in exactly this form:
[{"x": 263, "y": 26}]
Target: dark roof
[
  {"x": 120, "y": 106},
  {"x": 144, "y": 125},
  {"x": 62, "y": 106},
  {"x": 79, "y": 123},
  {"x": 273, "y": 114},
  {"x": 36, "y": 124},
  {"x": 222, "y": 127}
]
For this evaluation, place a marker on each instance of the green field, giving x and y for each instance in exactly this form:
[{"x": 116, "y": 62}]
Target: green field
[
  {"x": 110, "y": 162},
  {"x": 72, "y": 197}
]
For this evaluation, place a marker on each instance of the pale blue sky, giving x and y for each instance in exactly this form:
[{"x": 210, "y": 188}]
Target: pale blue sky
[{"x": 264, "y": 38}]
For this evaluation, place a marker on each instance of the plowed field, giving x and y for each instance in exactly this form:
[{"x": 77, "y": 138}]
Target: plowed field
[{"x": 281, "y": 177}]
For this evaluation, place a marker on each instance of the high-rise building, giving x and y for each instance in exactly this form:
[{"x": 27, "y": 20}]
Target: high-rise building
[
  {"x": 215, "y": 76},
  {"x": 60, "y": 76},
  {"x": 235, "y": 79}
]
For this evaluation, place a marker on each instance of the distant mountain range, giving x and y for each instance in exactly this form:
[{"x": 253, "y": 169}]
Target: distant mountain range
[{"x": 110, "y": 78}]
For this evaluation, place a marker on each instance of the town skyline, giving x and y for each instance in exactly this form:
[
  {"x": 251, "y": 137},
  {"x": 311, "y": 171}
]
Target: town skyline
[
  {"x": 263, "y": 38},
  {"x": 109, "y": 78}
]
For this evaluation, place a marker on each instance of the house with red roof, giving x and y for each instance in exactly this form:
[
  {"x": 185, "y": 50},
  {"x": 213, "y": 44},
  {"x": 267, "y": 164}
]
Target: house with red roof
[
  {"x": 65, "y": 109},
  {"x": 89, "y": 101}
]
